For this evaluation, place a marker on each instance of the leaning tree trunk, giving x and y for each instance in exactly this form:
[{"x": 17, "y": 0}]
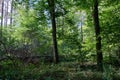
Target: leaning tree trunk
[
  {"x": 98, "y": 37},
  {"x": 51, "y": 4}
]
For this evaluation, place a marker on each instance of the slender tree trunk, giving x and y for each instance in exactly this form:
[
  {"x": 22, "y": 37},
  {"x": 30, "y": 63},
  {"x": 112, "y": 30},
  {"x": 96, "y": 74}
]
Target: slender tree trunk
[
  {"x": 11, "y": 13},
  {"x": 51, "y": 4},
  {"x": 6, "y": 13},
  {"x": 81, "y": 29},
  {"x": 98, "y": 37},
  {"x": 2, "y": 16}
]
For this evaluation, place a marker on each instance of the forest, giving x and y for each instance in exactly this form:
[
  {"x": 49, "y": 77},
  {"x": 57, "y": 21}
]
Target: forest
[{"x": 59, "y": 39}]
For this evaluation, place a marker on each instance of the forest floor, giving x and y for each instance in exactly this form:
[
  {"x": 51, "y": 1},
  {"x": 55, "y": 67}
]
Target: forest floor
[{"x": 16, "y": 70}]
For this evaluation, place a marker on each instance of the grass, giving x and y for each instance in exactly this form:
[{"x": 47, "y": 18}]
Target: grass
[{"x": 17, "y": 70}]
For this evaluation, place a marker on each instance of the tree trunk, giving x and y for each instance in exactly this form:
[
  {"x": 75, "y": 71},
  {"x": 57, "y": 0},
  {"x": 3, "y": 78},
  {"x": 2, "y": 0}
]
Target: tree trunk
[
  {"x": 6, "y": 13},
  {"x": 11, "y": 13},
  {"x": 51, "y": 4},
  {"x": 98, "y": 37},
  {"x": 2, "y": 17},
  {"x": 81, "y": 29}
]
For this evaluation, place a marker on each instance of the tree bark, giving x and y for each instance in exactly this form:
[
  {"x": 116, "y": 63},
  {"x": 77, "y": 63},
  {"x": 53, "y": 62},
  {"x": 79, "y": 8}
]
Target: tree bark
[
  {"x": 51, "y": 4},
  {"x": 98, "y": 37}
]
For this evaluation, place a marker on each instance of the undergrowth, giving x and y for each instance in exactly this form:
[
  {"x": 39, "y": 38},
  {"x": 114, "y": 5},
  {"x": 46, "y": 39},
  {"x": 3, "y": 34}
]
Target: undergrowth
[{"x": 16, "y": 70}]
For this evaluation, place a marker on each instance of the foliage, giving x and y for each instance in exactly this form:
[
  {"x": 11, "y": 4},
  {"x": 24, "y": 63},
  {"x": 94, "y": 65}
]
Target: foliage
[
  {"x": 31, "y": 33},
  {"x": 18, "y": 70}
]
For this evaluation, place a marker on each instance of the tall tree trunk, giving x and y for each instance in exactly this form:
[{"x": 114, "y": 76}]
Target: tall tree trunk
[
  {"x": 51, "y": 4},
  {"x": 98, "y": 37},
  {"x": 11, "y": 13},
  {"x": 81, "y": 29},
  {"x": 6, "y": 13},
  {"x": 2, "y": 11}
]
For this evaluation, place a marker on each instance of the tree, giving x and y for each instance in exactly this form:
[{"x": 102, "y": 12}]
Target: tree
[
  {"x": 6, "y": 2},
  {"x": 98, "y": 37},
  {"x": 51, "y": 4},
  {"x": 11, "y": 12},
  {"x": 2, "y": 16},
  {"x": 110, "y": 29}
]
